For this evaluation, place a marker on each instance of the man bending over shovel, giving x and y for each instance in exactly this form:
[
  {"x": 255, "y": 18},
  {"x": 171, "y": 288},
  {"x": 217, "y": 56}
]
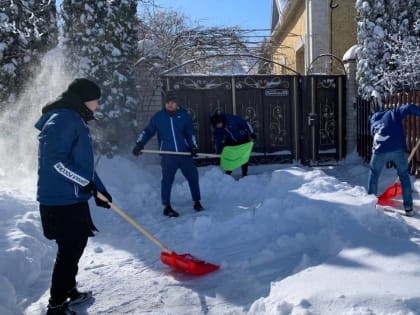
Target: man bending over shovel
[
  {"x": 389, "y": 145},
  {"x": 231, "y": 130}
]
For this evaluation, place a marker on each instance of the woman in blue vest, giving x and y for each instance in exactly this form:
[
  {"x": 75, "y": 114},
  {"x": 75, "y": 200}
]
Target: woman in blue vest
[
  {"x": 66, "y": 181},
  {"x": 175, "y": 133},
  {"x": 389, "y": 145}
]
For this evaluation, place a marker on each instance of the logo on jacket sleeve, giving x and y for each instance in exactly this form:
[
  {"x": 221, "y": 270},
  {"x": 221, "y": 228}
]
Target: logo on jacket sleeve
[{"x": 61, "y": 169}]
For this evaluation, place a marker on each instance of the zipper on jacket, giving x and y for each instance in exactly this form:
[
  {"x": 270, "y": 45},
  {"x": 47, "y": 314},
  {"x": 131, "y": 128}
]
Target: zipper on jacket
[
  {"x": 173, "y": 133},
  {"x": 93, "y": 155},
  {"x": 231, "y": 134}
]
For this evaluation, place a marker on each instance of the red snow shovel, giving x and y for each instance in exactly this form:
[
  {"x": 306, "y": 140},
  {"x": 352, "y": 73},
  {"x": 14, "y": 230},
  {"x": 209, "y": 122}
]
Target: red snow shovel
[
  {"x": 395, "y": 189},
  {"x": 184, "y": 262}
]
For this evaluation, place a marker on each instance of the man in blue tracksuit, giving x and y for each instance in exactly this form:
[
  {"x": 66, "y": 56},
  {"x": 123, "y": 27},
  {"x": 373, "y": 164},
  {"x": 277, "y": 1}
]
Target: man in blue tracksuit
[
  {"x": 175, "y": 133},
  {"x": 231, "y": 130},
  {"x": 389, "y": 144},
  {"x": 66, "y": 181}
]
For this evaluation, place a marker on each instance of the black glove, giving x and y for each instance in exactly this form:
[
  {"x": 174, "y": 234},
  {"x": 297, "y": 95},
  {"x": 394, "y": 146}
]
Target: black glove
[
  {"x": 253, "y": 136},
  {"x": 194, "y": 152},
  {"x": 100, "y": 203},
  {"x": 90, "y": 188},
  {"x": 137, "y": 149}
]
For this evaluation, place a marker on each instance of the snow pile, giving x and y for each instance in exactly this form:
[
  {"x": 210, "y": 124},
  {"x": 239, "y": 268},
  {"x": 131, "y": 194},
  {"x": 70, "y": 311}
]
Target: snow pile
[
  {"x": 24, "y": 252},
  {"x": 290, "y": 240}
]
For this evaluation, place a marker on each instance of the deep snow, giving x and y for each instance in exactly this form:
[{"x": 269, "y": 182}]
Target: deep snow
[{"x": 289, "y": 239}]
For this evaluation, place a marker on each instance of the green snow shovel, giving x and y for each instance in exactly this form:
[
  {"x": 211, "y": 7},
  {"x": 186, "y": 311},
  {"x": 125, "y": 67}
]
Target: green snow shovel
[{"x": 231, "y": 157}]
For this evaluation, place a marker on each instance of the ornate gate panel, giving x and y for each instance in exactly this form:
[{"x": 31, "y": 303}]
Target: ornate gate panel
[
  {"x": 201, "y": 96},
  {"x": 324, "y": 112},
  {"x": 270, "y": 104}
]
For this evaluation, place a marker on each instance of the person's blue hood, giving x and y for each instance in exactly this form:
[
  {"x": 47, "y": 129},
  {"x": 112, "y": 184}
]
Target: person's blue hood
[{"x": 66, "y": 101}]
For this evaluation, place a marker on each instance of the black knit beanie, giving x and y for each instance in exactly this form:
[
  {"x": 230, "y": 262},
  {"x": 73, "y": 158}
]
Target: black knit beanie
[
  {"x": 218, "y": 118},
  {"x": 85, "y": 89},
  {"x": 170, "y": 96}
]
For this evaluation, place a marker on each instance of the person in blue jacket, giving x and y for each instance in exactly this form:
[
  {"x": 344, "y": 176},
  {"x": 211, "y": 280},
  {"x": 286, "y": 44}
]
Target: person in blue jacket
[
  {"x": 175, "y": 133},
  {"x": 66, "y": 181},
  {"x": 389, "y": 144},
  {"x": 231, "y": 130}
]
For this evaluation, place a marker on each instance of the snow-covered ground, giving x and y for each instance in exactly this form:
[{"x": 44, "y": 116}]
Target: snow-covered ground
[{"x": 289, "y": 240}]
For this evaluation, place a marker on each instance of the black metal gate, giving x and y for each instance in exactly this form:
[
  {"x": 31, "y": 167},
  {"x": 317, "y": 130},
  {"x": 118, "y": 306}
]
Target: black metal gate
[
  {"x": 323, "y": 107},
  {"x": 295, "y": 117}
]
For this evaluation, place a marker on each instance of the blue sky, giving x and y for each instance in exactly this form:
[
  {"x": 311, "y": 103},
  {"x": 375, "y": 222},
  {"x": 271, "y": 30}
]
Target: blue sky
[{"x": 247, "y": 14}]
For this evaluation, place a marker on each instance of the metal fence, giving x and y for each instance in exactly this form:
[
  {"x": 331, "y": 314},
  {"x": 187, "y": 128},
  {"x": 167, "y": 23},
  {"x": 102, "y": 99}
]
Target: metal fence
[{"x": 411, "y": 126}]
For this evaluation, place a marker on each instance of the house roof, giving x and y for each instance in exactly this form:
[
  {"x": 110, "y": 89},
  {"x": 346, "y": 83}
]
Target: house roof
[{"x": 283, "y": 12}]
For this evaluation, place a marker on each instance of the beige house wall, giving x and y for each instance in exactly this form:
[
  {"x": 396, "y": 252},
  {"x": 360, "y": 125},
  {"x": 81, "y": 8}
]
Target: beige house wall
[
  {"x": 291, "y": 40},
  {"x": 319, "y": 29},
  {"x": 328, "y": 30},
  {"x": 331, "y": 30},
  {"x": 344, "y": 27}
]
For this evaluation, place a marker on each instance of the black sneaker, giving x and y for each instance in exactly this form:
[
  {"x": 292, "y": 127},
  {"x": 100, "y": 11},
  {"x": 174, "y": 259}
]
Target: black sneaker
[
  {"x": 409, "y": 212},
  {"x": 62, "y": 309},
  {"x": 198, "y": 206},
  {"x": 169, "y": 212},
  {"x": 77, "y": 297}
]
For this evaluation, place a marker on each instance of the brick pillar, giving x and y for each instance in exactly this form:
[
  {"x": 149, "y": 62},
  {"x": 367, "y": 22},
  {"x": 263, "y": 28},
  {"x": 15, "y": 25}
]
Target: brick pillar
[{"x": 351, "y": 99}]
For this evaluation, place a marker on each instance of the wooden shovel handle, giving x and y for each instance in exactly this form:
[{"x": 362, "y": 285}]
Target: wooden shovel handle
[
  {"x": 134, "y": 223},
  {"x": 413, "y": 151},
  {"x": 180, "y": 153},
  {"x": 410, "y": 157}
]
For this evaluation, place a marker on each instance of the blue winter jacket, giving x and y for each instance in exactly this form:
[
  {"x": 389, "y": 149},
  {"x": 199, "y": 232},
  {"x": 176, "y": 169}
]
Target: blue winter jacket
[
  {"x": 65, "y": 158},
  {"x": 387, "y": 128},
  {"x": 235, "y": 130},
  {"x": 175, "y": 132}
]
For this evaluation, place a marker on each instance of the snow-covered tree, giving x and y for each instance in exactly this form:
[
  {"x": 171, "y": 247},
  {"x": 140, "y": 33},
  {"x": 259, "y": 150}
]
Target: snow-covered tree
[
  {"x": 178, "y": 39},
  {"x": 100, "y": 41},
  {"x": 168, "y": 39},
  {"x": 167, "y": 30},
  {"x": 371, "y": 35},
  {"x": 388, "y": 35},
  {"x": 28, "y": 29},
  {"x": 266, "y": 50},
  {"x": 404, "y": 46}
]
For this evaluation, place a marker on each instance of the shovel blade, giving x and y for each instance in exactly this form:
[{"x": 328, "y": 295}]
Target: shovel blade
[
  {"x": 187, "y": 263},
  {"x": 388, "y": 202},
  {"x": 392, "y": 191},
  {"x": 233, "y": 157}
]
